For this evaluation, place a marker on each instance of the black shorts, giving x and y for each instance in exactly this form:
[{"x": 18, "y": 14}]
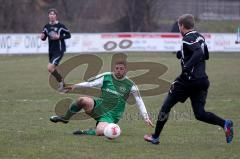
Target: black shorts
[
  {"x": 181, "y": 89},
  {"x": 55, "y": 57}
]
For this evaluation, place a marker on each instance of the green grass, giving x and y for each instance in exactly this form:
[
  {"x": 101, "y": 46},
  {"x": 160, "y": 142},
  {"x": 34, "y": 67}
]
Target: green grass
[{"x": 27, "y": 102}]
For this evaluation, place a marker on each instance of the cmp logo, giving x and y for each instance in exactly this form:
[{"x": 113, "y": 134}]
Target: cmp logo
[{"x": 94, "y": 66}]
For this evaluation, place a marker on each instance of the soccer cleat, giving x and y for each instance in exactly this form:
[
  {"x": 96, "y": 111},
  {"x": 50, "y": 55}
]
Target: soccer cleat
[
  {"x": 61, "y": 87},
  {"x": 85, "y": 132},
  {"x": 228, "y": 128},
  {"x": 56, "y": 119},
  {"x": 79, "y": 132},
  {"x": 150, "y": 138}
]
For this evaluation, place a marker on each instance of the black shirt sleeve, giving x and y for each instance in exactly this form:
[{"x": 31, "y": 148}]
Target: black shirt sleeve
[
  {"x": 194, "y": 46},
  {"x": 45, "y": 32},
  {"x": 195, "y": 58},
  {"x": 64, "y": 32},
  {"x": 206, "y": 53}
]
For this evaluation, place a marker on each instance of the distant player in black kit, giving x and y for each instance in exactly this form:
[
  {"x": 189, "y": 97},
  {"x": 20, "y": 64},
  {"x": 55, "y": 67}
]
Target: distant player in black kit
[
  {"x": 56, "y": 34},
  {"x": 192, "y": 83}
]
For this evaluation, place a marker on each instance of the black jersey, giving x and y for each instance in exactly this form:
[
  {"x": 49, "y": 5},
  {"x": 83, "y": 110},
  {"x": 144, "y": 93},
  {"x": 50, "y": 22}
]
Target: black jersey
[
  {"x": 59, "y": 44},
  {"x": 193, "y": 55}
]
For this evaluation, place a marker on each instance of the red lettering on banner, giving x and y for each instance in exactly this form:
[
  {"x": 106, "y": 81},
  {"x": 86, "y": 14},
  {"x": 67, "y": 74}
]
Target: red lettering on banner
[
  {"x": 170, "y": 36},
  {"x": 207, "y": 36},
  {"x": 137, "y": 35},
  {"x": 124, "y": 35}
]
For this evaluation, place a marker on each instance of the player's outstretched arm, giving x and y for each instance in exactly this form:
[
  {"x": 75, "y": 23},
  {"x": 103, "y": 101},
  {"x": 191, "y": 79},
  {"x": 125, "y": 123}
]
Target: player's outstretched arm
[
  {"x": 97, "y": 83},
  {"x": 141, "y": 106},
  {"x": 64, "y": 33}
]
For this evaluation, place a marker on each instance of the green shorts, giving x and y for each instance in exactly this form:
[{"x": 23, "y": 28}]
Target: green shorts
[{"x": 100, "y": 113}]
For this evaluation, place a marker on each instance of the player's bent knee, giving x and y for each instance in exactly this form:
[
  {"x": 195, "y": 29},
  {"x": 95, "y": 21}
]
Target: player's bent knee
[
  {"x": 99, "y": 131},
  {"x": 86, "y": 103},
  {"x": 80, "y": 101},
  {"x": 51, "y": 68},
  {"x": 200, "y": 116}
]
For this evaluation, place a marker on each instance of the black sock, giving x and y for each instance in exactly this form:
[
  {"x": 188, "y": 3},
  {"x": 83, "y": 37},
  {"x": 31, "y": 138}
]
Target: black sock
[
  {"x": 168, "y": 103},
  {"x": 57, "y": 76},
  {"x": 162, "y": 119}
]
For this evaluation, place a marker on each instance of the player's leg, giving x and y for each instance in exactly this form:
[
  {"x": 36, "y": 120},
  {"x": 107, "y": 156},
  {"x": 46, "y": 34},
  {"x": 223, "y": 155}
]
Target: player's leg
[
  {"x": 53, "y": 70},
  {"x": 100, "y": 128},
  {"x": 98, "y": 113},
  {"x": 90, "y": 131},
  {"x": 101, "y": 118},
  {"x": 176, "y": 93},
  {"x": 85, "y": 103},
  {"x": 169, "y": 102},
  {"x": 198, "y": 101},
  {"x": 54, "y": 60}
]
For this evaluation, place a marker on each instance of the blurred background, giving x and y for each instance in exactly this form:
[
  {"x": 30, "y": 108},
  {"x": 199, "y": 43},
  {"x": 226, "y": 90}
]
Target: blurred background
[
  {"x": 102, "y": 28},
  {"x": 94, "y": 16}
]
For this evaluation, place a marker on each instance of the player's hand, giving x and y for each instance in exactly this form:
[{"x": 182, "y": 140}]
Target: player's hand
[
  {"x": 69, "y": 88},
  {"x": 149, "y": 122},
  {"x": 55, "y": 36},
  {"x": 42, "y": 36},
  {"x": 179, "y": 54}
]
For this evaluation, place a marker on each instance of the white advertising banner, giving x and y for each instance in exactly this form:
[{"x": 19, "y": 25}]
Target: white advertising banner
[{"x": 154, "y": 42}]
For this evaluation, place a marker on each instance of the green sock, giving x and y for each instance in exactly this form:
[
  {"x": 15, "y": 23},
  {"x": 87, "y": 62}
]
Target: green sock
[
  {"x": 90, "y": 132},
  {"x": 74, "y": 108}
]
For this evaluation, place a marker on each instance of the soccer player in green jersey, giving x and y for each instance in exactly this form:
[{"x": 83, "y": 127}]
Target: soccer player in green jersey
[{"x": 109, "y": 107}]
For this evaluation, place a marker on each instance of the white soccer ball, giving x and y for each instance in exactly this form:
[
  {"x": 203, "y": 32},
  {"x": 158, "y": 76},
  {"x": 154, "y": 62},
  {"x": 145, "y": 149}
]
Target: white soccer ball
[
  {"x": 112, "y": 131},
  {"x": 51, "y": 34}
]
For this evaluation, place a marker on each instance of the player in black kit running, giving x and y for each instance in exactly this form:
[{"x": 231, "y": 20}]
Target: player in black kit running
[
  {"x": 56, "y": 34},
  {"x": 193, "y": 82}
]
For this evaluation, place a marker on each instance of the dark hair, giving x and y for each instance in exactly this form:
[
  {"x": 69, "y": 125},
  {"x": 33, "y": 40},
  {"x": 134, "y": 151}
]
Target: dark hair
[
  {"x": 187, "y": 20},
  {"x": 53, "y": 10}
]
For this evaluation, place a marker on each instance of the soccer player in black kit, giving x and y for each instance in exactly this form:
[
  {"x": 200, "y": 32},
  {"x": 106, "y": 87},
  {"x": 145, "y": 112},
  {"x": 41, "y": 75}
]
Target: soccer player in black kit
[
  {"x": 192, "y": 83},
  {"x": 56, "y": 34}
]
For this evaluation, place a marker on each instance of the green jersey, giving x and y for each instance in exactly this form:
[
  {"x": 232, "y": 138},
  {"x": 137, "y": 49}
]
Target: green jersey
[
  {"x": 110, "y": 105},
  {"x": 114, "y": 93}
]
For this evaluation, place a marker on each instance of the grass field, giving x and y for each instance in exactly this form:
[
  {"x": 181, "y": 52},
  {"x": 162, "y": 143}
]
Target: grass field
[{"x": 27, "y": 102}]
